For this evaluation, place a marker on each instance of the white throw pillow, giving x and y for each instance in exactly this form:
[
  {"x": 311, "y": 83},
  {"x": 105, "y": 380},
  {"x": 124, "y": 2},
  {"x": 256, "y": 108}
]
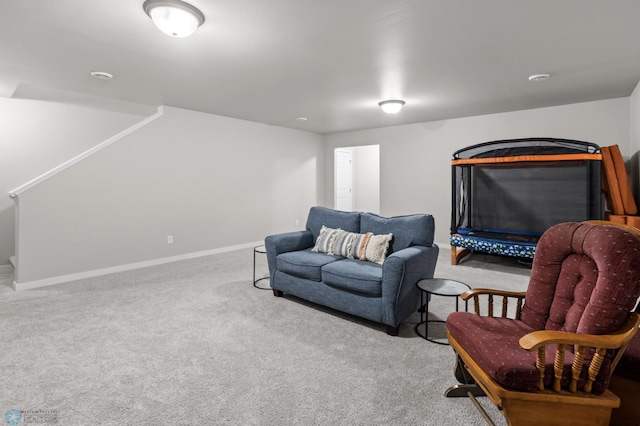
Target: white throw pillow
[{"x": 377, "y": 247}]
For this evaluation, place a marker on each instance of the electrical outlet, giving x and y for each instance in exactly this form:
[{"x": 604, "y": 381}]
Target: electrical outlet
[
  {"x": 169, "y": 239},
  {"x": 297, "y": 222}
]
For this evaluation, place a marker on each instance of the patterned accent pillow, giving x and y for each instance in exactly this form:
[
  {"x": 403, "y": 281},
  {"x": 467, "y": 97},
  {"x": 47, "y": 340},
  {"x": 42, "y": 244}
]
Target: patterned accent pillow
[
  {"x": 338, "y": 242},
  {"x": 343, "y": 244},
  {"x": 349, "y": 244},
  {"x": 377, "y": 247},
  {"x": 324, "y": 243},
  {"x": 360, "y": 246},
  {"x": 372, "y": 248}
]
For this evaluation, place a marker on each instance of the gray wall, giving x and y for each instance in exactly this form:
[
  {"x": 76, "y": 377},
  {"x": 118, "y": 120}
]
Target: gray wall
[
  {"x": 208, "y": 181},
  {"x": 415, "y": 160},
  {"x": 215, "y": 182},
  {"x": 37, "y": 136}
]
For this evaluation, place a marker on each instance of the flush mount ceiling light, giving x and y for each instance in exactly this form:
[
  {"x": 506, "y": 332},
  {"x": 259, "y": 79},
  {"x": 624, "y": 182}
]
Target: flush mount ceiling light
[
  {"x": 101, "y": 75},
  {"x": 174, "y": 17},
  {"x": 539, "y": 77},
  {"x": 391, "y": 106}
]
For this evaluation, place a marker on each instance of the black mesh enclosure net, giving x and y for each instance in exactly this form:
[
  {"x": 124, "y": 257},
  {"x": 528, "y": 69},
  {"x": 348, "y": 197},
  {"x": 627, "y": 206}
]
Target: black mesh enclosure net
[{"x": 515, "y": 189}]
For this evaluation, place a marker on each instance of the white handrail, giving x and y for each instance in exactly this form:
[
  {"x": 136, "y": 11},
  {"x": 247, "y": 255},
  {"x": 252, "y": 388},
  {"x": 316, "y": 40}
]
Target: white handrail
[{"x": 22, "y": 188}]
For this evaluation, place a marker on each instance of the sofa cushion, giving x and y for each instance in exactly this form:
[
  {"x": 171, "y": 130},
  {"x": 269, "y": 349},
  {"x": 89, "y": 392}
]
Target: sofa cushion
[
  {"x": 355, "y": 276},
  {"x": 319, "y": 216},
  {"x": 304, "y": 264},
  {"x": 411, "y": 230},
  {"x": 494, "y": 344}
]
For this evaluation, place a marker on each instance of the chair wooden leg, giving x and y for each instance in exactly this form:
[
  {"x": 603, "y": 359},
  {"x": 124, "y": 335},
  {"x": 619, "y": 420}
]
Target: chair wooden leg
[{"x": 391, "y": 330}]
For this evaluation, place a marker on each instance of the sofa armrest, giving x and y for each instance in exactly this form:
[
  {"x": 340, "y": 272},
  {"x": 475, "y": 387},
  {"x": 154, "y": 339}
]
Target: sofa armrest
[
  {"x": 400, "y": 273},
  {"x": 286, "y": 242}
]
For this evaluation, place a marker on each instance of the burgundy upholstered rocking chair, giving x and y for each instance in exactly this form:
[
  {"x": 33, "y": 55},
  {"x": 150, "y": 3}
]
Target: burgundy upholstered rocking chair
[{"x": 549, "y": 358}]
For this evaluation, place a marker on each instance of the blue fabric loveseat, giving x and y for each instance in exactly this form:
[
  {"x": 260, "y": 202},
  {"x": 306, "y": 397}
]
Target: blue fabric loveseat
[{"x": 312, "y": 265}]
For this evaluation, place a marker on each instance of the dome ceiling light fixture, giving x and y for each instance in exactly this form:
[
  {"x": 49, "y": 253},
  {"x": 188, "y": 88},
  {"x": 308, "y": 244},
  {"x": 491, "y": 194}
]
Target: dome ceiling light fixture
[
  {"x": 174, "y": 17},
  {"x": 539, "y": 77},
  {"x": 391, "y": 106},
  {"x": 101, "y": 75}
]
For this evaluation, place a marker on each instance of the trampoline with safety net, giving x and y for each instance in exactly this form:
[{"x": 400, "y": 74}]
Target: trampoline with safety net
[{"x": 506, "y": 193}]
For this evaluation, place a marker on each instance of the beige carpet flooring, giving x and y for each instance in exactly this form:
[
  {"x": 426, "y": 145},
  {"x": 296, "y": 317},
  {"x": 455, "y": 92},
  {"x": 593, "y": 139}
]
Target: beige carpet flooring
[{"x": 194, "y": 343}]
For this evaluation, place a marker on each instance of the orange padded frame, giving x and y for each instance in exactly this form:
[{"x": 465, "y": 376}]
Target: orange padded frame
[
  {"x": 617, "y": 190},
  {"x": 610, "y": 184},
  {"x": 628, "y": 202},
  {"x": 526, "y": 158}
]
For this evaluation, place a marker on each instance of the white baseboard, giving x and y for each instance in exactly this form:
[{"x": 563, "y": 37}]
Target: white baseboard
[
  {"x": 28, "y": 285},
  {"x": 6, "y": 268},
  {"x": 444, "y": 246}
]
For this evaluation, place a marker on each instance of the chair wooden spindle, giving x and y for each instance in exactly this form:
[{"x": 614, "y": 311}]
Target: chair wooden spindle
[
  {"x": 576, "y": 369},
  {"x": 540, "y": 365},
  {"x": 558, "y": 367},
  {"x": 594, "y": 368},
  {"x": 476, "y": 304},
  {"x": 504, "y": 306},
  {"x": 490, "y": 305},
  {"x": 519, "y": 308}
]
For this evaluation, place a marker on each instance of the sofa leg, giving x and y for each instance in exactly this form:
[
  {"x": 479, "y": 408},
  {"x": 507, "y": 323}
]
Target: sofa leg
[
  {"x": 277, "y": 293},
  {"x": 391, "y": 330}
]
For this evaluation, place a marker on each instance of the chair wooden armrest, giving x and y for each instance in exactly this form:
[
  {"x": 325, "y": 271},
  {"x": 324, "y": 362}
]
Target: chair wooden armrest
[
  {"x": 476, "y": 294},
  {"x": 619, "y": 340}
]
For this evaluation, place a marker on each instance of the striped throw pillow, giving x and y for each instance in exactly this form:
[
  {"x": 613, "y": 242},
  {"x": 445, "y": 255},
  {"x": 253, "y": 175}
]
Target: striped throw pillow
[
  {"x": 342, "y": 244},
  {"x": 324, "y": 243}
]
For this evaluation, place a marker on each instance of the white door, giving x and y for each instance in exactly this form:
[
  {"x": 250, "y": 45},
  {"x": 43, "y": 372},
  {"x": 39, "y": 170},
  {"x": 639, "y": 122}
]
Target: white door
[{"x": 344, "y": 180}]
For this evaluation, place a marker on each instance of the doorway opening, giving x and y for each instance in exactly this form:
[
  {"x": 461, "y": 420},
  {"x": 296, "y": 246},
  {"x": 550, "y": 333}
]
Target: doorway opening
[{"x": 357, "y": 178}]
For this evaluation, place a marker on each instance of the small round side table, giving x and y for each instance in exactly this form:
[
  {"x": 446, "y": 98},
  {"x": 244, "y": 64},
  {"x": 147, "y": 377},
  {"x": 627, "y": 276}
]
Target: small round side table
[
  {"x": 261, "y": 250},
  {"x": 438, "y": 287}
]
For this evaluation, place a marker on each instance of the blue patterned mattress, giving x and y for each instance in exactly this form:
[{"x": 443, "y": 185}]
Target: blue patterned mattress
[{"x": 496, "y": 242}]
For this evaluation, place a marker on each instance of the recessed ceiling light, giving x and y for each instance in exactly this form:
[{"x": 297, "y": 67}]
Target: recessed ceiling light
[
  {"x": 302, "y": 118},
  {"x": 101, "y": 75},
  {"x": 539, "y": 77}
]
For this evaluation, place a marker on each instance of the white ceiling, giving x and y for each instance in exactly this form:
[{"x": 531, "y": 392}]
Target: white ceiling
[{"x": 331, "y": 61}]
